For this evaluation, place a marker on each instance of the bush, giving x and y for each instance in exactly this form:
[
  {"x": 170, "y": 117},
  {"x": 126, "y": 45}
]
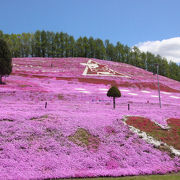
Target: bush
[{"x": 114, "y": 92}]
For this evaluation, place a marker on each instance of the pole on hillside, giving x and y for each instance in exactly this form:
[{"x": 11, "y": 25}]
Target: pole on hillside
[
  {"x": 146, "y": 63},
  {"x": 157, "y": 65},
  {"x": 45, "y": 104}
]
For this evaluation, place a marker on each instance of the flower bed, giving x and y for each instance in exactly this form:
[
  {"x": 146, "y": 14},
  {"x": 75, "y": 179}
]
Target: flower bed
[
  {"x": 170, "y": 136},
  {"x": 78, "y": 134}
]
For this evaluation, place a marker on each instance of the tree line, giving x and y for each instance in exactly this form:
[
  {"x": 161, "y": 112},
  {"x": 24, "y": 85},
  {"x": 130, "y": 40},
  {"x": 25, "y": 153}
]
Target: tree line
[{"x": 59, "y": 44}]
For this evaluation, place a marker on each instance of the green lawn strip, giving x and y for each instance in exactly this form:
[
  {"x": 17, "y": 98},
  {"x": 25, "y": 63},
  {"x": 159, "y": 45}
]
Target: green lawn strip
[{"x": 149, "y": 177}]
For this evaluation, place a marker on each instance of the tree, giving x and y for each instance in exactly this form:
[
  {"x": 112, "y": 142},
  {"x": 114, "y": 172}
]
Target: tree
[
  {"x": 43, "y": 44},
  {"x": 92, "y": 47},
  {"x": 100, "y": 51},
  {"x": 110, "y": 51},
  {"x": 71, "y": 46},
  {"x": 120, "y": 52},
  {"x": 86, "y": 46},
  {"x": 114, "y": 92},
  {"x": 57, "y": 44},
  {"x": 37, "y": 38},
  {"x": 62, "y": 44},
  {"x": 79, "y": 47},
  {"x": 5, "y": 60},
  {"x": 66, "y": 45},
  {"x": 32, "y": 44},
  {"x": 51, "y": 46},
  {"x": 25, "y": 44},
  {"x": 137, "y": 61},
  {"x": 1, "y": 34}
]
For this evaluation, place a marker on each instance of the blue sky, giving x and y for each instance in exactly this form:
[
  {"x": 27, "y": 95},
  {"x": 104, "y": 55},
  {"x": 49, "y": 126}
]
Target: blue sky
[{"x": 127, "y": 21}]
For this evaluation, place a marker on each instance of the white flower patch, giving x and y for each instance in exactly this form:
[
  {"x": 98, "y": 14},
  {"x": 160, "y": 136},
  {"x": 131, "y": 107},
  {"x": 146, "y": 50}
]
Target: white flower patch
[
  {"x": 103, "y": 92},
  {"x": 80, "y": 89},
  {"x": 55, "y": 71},
  {"x": 133, "y": 94},
  {"x": 87, "y": 92},
  {"x": 103, "y": 89},
  {"x": 15, "y": 64},
  {"x": 176, "y": 97},
  {"x": 154, "y": 96},
  {"x": 165, "y": 92},
  {"x": 125, "y": 90},
  {"x": 146, "y": 91}
]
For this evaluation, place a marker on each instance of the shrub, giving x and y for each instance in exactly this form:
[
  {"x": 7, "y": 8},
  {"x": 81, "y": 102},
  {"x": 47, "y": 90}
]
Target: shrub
[{"x": 114, "y": 92}]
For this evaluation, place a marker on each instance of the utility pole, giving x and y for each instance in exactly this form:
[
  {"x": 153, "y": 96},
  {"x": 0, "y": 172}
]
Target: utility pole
[
  {"x": 146, "y": 62},
  {"x": 157, "y": 66}
]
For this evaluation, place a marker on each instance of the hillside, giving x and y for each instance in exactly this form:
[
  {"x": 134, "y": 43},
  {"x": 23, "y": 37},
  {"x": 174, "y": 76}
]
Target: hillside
[{"x": 79, "y": 134}]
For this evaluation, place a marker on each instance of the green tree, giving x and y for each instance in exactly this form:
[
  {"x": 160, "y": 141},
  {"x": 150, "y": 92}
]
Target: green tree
[
  {"x": 126, "y": 54},
  {"x": 174, "y": 71},
  {"x": 150, "y": 62},
  {"x": 32, "y": 45},
  {"x": 110, "y": 51},
  {"x": 71, "y": 46},
  {"x": 14, "y": 44},
  {"x": 86, "y": 47},
  {"x": 164, "y": 71},
  {"x": 62, "y": 44},
  {"x": 5, "y": 60},
  {"x": 66, "y": 45},
  {"x": 25, "y": 44},
  {"x": 120, "y": 52},
  {"x": 1, "y": 34},
  {"x": 136, "y": 54},
  {"x": 114, "y": 92},
  {"x": 79, "y": 47},
  {"x": 37, "y": 39},
  {"x": 51, "y": 46},
  {"x": 43, "y": 44},
  {"x": 57, "y": 44},
  {"x": 92, "y": 47},
  {"x": 100, "y": 51}
]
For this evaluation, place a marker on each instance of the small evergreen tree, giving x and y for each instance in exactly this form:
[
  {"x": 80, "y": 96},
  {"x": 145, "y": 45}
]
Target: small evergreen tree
[
  {"x": 114, "y": 92},
  {"x": 5, "y": 60}
]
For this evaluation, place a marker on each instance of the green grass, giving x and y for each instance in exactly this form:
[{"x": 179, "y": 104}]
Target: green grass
[
  {"x": 60, "y": 96},
  {"x": 150, "y": 177},
  {"x": 82, "y": 137},
  {"x": 40, "y": 117}
]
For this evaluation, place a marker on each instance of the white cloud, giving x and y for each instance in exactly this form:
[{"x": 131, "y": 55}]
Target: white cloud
[{"x": 168, "y": 48}]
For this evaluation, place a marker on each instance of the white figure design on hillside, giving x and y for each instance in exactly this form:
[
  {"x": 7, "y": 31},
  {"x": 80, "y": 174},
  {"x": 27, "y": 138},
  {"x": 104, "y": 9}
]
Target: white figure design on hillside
[{"x": 96, "y": 69}]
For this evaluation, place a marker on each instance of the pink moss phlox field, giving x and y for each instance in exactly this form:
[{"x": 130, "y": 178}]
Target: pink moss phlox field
[{"x": 34, "y": 140}]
